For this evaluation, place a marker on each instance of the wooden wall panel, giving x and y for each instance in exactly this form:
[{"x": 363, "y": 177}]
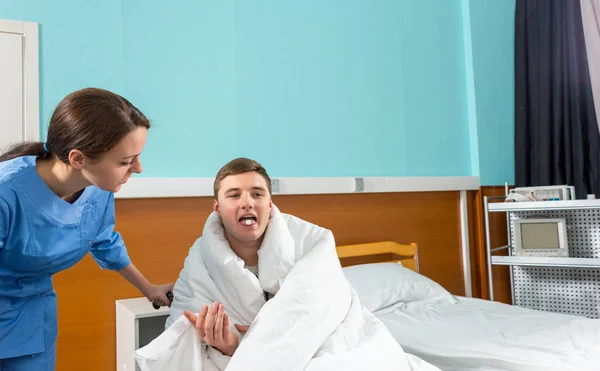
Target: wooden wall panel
[
  {"x": 431, "y": 219},
  {"x": 159, "y": 232},
  {"x": 474, "y": 207}
]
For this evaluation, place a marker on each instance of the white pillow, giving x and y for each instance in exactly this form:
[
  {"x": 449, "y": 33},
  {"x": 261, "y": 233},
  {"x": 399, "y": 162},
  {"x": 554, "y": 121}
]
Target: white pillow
[{"x": 383, "y": 285}]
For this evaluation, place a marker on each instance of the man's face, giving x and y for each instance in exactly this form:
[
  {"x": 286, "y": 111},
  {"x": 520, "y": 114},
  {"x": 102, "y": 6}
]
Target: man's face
[{"x": 244, "y": 204}]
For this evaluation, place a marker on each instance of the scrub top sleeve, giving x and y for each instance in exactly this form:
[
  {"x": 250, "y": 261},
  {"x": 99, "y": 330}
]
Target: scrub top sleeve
[
  {"x": 108, "y": 248},
  {"x": 4, "y": 220}
]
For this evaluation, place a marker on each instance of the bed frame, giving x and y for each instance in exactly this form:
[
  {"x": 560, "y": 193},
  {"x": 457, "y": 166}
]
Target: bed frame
[{"x": 384, "y": 251}]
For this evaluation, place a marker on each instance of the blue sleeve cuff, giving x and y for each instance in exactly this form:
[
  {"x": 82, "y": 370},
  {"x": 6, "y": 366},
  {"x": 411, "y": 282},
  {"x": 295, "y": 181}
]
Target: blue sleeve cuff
[{"x": 112, "y": 255}]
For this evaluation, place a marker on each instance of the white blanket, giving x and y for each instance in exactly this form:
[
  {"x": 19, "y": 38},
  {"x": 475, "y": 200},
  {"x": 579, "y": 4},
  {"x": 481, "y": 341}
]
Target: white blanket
[
  {"x": 481, "y": 335},
  {"x": 315, "y": 321}
]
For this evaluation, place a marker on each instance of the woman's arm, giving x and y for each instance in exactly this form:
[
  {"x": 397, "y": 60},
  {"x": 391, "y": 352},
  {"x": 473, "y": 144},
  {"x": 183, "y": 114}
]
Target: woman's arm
[
  {"x": 157, "y": 293},
  {"x": 108, "y": 249}
]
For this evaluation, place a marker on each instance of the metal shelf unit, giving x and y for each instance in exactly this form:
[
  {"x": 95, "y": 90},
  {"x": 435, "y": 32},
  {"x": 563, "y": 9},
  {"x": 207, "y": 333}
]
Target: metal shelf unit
[
  {"x": 542, "y": 205},
  {"x": 558, "y": 284}
]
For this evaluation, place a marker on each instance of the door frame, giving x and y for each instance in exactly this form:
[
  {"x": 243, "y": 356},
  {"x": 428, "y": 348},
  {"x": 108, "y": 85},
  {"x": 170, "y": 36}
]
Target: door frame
[{"x": 31, "y": 74}]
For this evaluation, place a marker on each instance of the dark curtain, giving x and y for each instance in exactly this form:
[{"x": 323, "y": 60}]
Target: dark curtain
[{"x": 557, "y": 140}]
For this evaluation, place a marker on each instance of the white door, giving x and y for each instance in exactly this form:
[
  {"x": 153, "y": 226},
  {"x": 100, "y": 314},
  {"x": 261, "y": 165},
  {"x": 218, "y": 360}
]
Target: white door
[{"x": 19, "y": 83}]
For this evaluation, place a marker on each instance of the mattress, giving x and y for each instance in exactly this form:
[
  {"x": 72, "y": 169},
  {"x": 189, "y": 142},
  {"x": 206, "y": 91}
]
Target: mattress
[{"x": 481, "y": 335}]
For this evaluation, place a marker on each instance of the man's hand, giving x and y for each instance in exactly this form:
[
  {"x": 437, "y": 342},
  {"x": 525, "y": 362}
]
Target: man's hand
[
  {"x": 241, "y": 329},
  {"x": 212, "y": 326}
]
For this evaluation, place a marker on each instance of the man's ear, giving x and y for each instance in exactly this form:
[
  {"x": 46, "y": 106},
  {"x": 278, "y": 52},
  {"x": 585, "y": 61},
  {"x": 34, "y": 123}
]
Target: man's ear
[
  {"x": 271, "y": 209},
  {"x": 76, "y": 159},
  {"x": 216, "y": 207}
]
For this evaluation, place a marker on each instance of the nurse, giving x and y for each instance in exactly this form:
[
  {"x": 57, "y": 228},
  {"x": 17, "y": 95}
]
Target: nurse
[{"x": 56, "y": 205}]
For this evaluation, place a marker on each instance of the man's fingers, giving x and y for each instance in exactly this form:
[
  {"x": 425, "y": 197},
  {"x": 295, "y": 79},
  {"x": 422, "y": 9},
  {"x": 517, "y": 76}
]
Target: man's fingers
[
  {"x": 191, "y": 317},
  {"x": 219, "y": 325},
  {"x": 209, "y": 324},
  {"x": 241, "y": 329},
  {"x": 200, "y": 322},
  {"x": 225, "y": 324}
]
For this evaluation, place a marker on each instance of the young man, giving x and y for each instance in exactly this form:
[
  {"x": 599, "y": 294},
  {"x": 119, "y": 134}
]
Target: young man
[
  {"x": 242, "y": 190},
  {"x": 274, "y": 281}
]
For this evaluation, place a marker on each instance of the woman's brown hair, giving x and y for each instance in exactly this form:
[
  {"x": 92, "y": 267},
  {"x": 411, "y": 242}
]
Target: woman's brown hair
[{"x": 91, "y": 120}]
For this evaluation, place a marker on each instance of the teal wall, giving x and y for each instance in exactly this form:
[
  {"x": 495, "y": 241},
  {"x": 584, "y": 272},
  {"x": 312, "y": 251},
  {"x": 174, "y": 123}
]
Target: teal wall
[
  {"x": 492, "y": 42},
  {"x": 80, "y": 45},
  {"x": 308, "y": 88}
]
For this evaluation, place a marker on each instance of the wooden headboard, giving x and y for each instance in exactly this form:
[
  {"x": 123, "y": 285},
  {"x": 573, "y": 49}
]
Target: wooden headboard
[{"x": 385, "y": 251}]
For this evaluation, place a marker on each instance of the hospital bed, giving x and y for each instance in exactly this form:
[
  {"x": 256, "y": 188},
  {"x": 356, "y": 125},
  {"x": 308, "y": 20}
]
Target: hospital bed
[
  {"x": 460, "y": 333},
  {"x": 451, "y": 332}
]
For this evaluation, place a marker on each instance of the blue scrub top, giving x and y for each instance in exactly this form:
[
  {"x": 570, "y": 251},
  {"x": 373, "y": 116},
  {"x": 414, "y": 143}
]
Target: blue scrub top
[{"x": 40, "y": 235}]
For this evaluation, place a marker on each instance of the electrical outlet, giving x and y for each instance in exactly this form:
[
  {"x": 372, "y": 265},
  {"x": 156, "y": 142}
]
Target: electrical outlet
[
  {"x": 274, "y": 186},
  {"x": 359, "y": 184}
]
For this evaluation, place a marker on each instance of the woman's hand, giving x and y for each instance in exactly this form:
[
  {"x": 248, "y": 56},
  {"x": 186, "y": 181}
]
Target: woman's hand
[
  {"x": 158, "y": 294},
  {"x": 212, "y": 327},
  {"x": 154, "y": 293}
]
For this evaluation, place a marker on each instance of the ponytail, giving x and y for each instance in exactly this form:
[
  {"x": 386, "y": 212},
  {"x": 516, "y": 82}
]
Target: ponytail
[{"x": 25, "y": 149}]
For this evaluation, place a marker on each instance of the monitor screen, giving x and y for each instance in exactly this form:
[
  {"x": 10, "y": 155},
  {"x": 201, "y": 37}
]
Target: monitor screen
[{"x": 539, "y": 236}]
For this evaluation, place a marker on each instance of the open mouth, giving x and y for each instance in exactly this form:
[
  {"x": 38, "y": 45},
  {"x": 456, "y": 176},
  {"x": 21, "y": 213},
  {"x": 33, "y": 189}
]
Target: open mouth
[{"x": 247, "y": 220}]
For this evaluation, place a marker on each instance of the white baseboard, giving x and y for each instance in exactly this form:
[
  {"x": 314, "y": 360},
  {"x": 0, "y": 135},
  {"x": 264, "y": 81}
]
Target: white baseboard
[{"x": 199, "y": 187}]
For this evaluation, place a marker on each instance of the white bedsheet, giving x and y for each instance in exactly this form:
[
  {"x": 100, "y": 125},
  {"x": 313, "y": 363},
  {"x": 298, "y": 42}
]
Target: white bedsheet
[
  {"x": 481, "y": 335},
  {"x": 315, "y": 321}
]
